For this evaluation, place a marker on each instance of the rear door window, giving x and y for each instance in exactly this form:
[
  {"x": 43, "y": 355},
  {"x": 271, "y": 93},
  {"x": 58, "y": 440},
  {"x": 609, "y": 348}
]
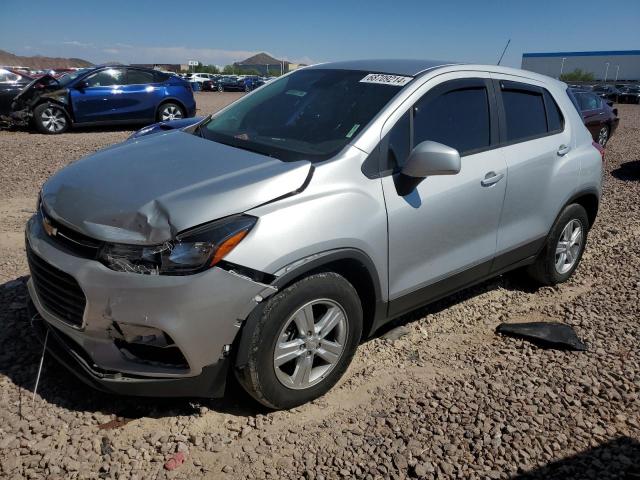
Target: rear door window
[
  {"x": 525, "y": 115},
  {"x": 139, "y": 77}
]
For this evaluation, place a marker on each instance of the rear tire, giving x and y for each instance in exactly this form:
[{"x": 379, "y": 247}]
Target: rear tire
[
  {"x": 50, "y": 119},
  {"x": 563, "y": 248},
  {"x": 603, "y": 135},
  {"x": 170, "y": 111},
  {"x": 301, "y": 341}
]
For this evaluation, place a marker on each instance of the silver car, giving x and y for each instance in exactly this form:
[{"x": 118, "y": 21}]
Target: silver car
[{"x": 268, "y": 240}]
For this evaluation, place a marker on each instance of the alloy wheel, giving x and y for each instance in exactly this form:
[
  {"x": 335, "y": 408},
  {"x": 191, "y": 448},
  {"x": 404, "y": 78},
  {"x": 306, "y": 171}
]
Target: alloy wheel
[
  {"x": 170, "y": 112},
  {"x": 603, "y": 136},
  {"x": 310, "y": 344},
  {"x": 53, "y": 119},
  {"x": 569, "y": 246}
]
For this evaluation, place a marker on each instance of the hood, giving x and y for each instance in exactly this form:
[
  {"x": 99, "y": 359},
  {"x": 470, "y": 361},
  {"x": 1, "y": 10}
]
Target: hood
[
  {"x": 165, "y": 126},
  {"x": 46, "y": 83},
  {"x": 146, "y": 191}
]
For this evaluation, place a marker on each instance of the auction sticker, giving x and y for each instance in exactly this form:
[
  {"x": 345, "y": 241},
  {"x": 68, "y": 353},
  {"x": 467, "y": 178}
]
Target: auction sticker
[{"x": 385, "y": 79}]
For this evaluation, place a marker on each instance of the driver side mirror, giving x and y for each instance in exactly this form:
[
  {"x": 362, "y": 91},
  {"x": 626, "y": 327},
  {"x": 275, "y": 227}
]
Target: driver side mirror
[
  {"x": 426, "y": 159},
  {"x": 81, "y": 85}
]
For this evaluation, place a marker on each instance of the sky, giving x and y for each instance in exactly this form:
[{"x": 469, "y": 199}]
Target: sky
[{"x": 219, "y": 33}]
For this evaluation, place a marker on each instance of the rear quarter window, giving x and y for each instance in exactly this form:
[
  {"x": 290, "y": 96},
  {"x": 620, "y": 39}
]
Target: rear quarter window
[{"x": 555, "y": 119}]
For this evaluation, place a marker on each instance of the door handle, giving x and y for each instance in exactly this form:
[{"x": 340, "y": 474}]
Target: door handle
[
  {"x": 563, "y": 150},
  {"x": 491, "y": 178}
]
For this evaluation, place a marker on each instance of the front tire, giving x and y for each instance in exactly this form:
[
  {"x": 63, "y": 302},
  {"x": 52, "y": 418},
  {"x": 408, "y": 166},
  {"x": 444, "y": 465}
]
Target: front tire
[
  {"x": 563, "y": 249},
  {"x": 50, "y": 119},
  {"x": 302, "y": 341}
]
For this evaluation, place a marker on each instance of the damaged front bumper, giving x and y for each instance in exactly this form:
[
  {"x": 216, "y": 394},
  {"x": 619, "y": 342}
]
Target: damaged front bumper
[{"x": 150, "y": 335}]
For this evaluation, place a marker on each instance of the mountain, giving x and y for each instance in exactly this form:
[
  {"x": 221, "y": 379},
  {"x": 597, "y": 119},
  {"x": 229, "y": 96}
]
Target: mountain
[
  {"x": 40, "y": 62},
  {"x": 260, "y": 59}
]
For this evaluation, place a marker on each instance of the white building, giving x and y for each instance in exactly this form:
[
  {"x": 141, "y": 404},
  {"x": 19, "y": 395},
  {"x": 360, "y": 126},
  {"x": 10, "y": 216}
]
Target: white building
[{"x": 616, "y": 65}]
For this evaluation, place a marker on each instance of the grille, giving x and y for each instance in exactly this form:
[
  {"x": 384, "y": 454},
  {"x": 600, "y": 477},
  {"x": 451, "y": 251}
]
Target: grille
[
  {"x": 58, "y": 292},
  {"x": 72, "y": 241}
]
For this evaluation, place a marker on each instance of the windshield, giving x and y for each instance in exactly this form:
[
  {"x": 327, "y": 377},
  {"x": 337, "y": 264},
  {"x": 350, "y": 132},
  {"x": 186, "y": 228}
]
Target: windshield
[
  {"x": 67, "y": 78},
  {"x": 600, "y": 89},
  {"x": 311, "y": 114}
]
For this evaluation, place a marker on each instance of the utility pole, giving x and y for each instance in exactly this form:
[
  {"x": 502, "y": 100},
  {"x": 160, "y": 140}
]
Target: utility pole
[
  {"x": 606, "y": 72},
  {"x": 562, "y": 67}
]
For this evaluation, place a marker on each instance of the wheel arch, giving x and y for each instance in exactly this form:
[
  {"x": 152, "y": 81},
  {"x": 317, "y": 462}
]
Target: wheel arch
[
  {"x": 589, "y": 200},
  {"x": 48, "y": 101},
  {"x": 353, "y": 264}
]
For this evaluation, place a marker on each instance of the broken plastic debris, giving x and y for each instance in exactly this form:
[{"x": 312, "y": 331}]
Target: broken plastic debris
[
  {"x": 545, "y": 334},
  {"x": 175, "y": 461}
]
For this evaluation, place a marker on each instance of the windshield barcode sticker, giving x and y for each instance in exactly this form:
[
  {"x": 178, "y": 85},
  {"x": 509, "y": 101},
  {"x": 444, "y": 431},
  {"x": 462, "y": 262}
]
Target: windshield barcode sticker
[{"x": 384, "y": 79}]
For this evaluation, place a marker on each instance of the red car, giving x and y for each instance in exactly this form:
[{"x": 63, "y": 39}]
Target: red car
[{"x": 597, "y": 113}]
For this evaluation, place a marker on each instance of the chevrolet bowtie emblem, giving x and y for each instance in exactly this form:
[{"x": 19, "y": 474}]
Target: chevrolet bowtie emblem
[{"x": 48, "y": 228}]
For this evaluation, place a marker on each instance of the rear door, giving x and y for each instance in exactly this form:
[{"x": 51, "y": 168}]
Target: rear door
[
  {"x": 442, "y": 235},
  {"x": 101, "y": 98},
  {"x": 140, "y": 95},
  {"x": 542, "y": 167}
]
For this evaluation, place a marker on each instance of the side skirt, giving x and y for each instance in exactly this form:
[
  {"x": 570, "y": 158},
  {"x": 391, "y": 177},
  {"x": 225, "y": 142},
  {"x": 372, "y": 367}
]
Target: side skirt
[{"x": 516, "y": 258}]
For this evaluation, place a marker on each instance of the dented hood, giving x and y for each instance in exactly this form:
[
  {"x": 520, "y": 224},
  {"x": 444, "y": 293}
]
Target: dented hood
[{"x": 148, "y": 190}]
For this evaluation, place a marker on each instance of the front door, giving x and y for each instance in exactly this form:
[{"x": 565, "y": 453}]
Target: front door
[
  {"x": 442, "y": 236},
  {"x": 101, "y": 97}
]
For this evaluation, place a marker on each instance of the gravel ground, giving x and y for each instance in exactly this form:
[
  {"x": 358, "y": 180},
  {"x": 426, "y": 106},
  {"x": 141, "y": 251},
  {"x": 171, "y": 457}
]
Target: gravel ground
[{"x": 449, "y": 399}]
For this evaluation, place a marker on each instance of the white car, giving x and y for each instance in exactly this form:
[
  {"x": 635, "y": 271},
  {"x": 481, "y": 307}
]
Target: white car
[{"x": 201, "y": 77}]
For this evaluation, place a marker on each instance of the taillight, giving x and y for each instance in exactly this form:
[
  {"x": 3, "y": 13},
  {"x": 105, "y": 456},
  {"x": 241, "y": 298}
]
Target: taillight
[{"x": 600, "y": 149}]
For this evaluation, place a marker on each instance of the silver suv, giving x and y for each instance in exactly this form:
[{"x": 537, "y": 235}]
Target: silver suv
[{"x": 269, "y": 239}]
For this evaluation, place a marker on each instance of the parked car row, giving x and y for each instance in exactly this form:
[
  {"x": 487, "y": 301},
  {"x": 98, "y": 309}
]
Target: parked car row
[
  {"x": 619, "y": 93},
  {"x": 225, "y": 83},
  {"x": 103, "y": 95}
]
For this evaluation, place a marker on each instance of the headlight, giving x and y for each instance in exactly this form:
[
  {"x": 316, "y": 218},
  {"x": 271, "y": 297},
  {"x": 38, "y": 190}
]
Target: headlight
[
  {"x": 191, "y": 252},
  {"x": 142, "y": 132}
]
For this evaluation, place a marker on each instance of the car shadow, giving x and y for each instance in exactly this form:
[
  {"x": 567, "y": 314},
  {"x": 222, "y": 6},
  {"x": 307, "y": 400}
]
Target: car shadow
[
  {"x": 615, "y": 459},
  {"x": 77, "y": 130},
  {"x": 628, "y": 171},
  {"x": 21, "y": 351},
  {"x": 20, "y": 354},
  {"x": 512, "y": 281}
]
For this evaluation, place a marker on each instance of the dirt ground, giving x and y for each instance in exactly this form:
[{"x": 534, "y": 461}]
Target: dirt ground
[{"x": 449, "y": 399}]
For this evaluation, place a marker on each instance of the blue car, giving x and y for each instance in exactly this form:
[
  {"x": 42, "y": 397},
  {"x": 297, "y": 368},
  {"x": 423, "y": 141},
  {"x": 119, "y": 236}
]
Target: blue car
[{"x": 104, "y": 95}]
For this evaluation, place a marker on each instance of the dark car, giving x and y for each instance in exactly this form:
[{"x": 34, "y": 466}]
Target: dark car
[
  {"x": 598, "y": 115},
  {"x": 11, "y": 83},
  {"x": 253, "y": 82},
  {"x": 607, "y": 91},
  {"x": 207, "y": 86},
  {"x": 103, "y": 95},
  {"x": 230, "y": 84},
  {"x": 629, "y": 94}
]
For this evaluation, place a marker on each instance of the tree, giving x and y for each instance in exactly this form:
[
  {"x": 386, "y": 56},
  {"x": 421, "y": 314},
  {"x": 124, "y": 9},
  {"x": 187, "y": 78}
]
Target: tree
[
  {"x": 577, "y": 76},
  {"x": 208, "y": 69},
  {"x": 228, "y": 70}
]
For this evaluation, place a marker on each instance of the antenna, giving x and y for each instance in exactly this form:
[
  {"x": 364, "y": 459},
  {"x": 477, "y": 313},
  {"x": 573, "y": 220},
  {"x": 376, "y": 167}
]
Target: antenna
[{"x": 503, "y": 51}]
